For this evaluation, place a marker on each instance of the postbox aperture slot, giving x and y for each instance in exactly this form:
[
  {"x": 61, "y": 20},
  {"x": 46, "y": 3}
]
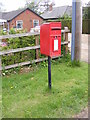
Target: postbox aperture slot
[{"x": 55, "y": 28}]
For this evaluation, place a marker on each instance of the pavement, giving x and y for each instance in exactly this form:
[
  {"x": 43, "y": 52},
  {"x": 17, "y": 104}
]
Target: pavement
[
  {"x": 85, "y": 44},
  {"x": 84, "y": 48},
  {"x": 82, "y": 114}
]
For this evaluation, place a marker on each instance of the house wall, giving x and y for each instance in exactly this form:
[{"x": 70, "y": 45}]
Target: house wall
[{"x": 27, "y": 16}]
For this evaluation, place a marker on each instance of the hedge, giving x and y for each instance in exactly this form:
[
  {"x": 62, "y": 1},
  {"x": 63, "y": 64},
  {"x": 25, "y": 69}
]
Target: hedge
[{"x": 68, "y": 23}]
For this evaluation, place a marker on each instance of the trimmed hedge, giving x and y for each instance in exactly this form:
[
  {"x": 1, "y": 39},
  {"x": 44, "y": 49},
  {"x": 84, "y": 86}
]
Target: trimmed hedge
[
  {"x": 68, "y": 23},
  {"x": 14, "y": 43}
]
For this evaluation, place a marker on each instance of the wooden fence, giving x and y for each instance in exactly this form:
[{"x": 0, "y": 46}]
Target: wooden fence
[{"x": 36, "y": 47}]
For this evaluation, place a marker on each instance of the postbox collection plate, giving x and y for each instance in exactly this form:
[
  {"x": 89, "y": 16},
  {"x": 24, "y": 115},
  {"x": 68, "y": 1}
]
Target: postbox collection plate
[{"x": 55, "y": 45}]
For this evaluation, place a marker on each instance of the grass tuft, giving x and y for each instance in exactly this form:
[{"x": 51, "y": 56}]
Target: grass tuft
[{"x": 74, "y": 63}]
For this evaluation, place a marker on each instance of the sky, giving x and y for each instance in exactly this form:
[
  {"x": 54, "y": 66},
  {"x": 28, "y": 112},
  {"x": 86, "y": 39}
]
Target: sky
[{"x": 9, "y": 5}]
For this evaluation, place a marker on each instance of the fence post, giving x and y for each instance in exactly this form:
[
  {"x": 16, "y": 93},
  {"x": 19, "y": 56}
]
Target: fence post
[
  {"x": 66, "y": 39},
  {"x": 37, "y": 43},
  {"x": 63, "y": 39},
  {"x": 0, "y": 84},
  {"x": 0, "y": 62}
]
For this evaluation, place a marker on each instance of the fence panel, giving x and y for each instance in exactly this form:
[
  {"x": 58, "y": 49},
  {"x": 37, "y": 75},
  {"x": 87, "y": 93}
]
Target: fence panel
[{"x": 36, "y": 48}]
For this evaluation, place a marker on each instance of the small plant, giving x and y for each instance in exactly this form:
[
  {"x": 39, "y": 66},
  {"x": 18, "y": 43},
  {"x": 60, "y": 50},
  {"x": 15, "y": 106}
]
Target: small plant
[
  {"x": 2, "y": 32},
  {"x": 12, "y": 31},
  {"x": 74, "y": 63},
  {"x": 44, "y": 64},
  {"x": 66, "y": 58},
  {"x": 10, "y": 71},
  {"x": 32, "y": 64}
]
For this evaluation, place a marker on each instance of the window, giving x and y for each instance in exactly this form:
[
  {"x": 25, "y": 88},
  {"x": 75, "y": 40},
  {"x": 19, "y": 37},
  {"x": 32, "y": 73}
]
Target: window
[
  {"x": 19, "y": 24},
  {"x": 35, "y": 23}
]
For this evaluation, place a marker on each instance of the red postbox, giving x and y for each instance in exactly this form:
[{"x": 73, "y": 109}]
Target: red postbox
[{"x": 50, "y": 39}]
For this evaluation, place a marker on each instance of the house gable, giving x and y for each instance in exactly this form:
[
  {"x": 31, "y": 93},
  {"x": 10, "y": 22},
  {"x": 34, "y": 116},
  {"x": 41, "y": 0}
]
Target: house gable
[
  {"x": 27, "y": 17},
  {"x": 9, "y": 16}
]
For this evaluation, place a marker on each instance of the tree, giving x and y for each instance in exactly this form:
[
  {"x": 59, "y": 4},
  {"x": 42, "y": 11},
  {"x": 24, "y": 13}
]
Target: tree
[
  {"x": 1, "y": 6},
  {"x": 45, "y": 4},
  {"x": 88, "y": 5},
  {"x": 66, "y": 17},
  {"x": 32, "y": 5},
  {"x": 85, "y": 11},
  {"x": 39, "y": 6}
]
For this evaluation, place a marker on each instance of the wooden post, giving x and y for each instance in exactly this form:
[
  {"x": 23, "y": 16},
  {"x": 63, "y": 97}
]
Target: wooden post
[
  {"x": 0, "y": 63},
  {"x": 66, "y": 39},
  {"x": 0, "y": 67},
  {"x": 63, "y": 47},
  {"x": 21, "y": 45},
  {"x": 37, "y": 50},
  {"x": 0, "y": 87}
]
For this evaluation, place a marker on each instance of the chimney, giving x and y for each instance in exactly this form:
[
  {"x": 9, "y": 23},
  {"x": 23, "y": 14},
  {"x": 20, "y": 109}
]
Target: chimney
[{"x": 50, "y": 7}]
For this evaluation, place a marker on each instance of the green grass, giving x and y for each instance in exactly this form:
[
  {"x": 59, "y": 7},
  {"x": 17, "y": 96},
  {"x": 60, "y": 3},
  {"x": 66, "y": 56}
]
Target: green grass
[
  {"x": 27, "y": 95},
  {"x": 0, "y": 97}
]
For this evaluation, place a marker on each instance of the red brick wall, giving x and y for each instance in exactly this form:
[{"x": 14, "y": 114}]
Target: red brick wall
[{"x": 27, "y": 17}]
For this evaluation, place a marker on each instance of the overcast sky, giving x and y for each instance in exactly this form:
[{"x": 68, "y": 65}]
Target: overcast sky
[{"x": 10, "y": 5}]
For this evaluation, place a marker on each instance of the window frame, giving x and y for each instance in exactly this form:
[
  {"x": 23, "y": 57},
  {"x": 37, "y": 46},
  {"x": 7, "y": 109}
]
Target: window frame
[
  {"x": 34, "y": 21},
  {"x": 17, "y": 23}
]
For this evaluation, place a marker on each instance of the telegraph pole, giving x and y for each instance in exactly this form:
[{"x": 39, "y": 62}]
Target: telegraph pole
[
  {"x": 76, "y": 30},
  {"x": 78, "y": 33},
  {"x": 73, "y": 30}
]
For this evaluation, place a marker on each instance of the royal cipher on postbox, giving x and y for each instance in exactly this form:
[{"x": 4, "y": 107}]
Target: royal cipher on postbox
[{"x": 50, "y": 39}]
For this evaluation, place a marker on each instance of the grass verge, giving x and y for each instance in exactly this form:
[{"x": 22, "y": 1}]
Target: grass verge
[{"x": 27, "y": 95}]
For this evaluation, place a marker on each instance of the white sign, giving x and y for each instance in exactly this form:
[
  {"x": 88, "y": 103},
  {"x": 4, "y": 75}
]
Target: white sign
[{"x": 55, "y": 45}]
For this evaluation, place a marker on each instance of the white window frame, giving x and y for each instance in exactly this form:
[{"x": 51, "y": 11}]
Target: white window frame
[
  {"x": 17, "y": 23},
  {"x": 34, "y": 21}
]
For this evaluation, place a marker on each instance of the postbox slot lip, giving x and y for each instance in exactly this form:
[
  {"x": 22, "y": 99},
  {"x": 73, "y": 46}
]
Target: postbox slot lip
[
  {"x": 55, "y": 50},
  {"x": 55, "y": 35},
  {"x": 55, "y": 28}
]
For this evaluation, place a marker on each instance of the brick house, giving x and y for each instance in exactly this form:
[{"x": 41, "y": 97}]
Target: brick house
[{"x": 21, "y": 19}]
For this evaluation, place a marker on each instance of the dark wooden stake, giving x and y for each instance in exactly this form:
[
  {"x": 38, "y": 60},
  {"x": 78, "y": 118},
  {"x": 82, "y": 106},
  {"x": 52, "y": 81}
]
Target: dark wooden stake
[
  {"x": 37, "y": 50},
  {"x": 66, "y": 39},
  {"x": 49, "y": 72}
]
